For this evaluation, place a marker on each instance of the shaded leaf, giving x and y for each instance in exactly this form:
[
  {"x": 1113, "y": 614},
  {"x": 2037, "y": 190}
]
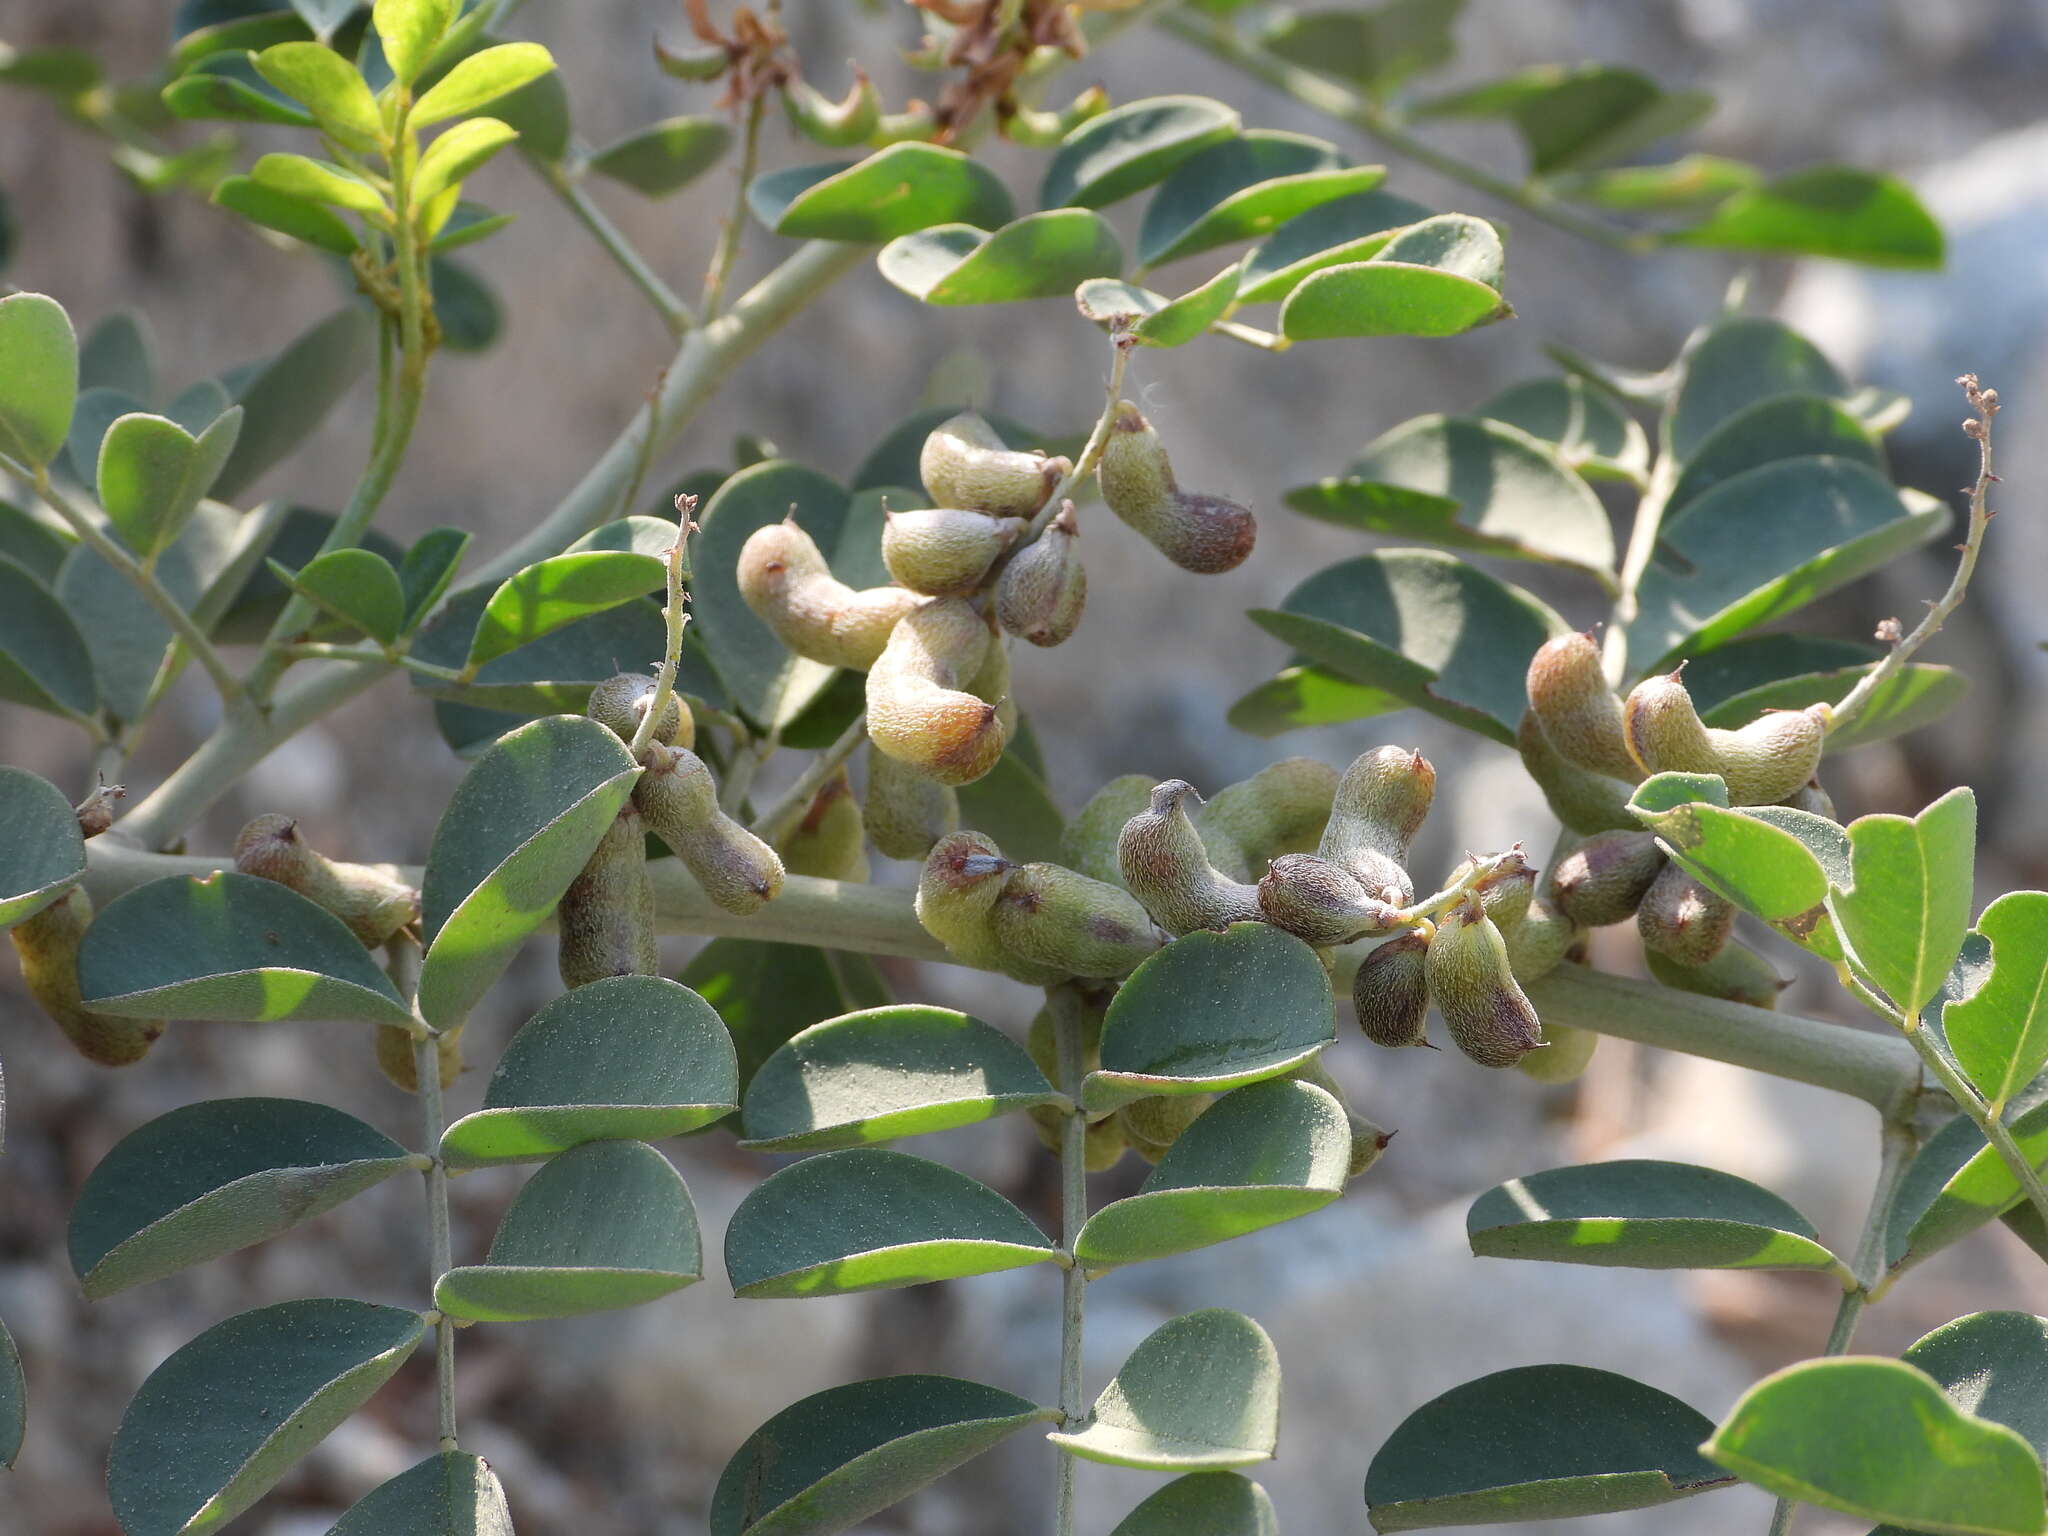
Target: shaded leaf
[
  {"x": 13, "y": 1399},
  {"x": 357, "y": 586},
  {"x": 1204, "y": 1504},
  {"x": 1307, "y": 696},
  {"x": 1572, "y": 117},
  {"x": 1779, "y": 427},
  {"x": 1201, "y": 1391},
  {"x": 1243, "y": 188},
  {"x": 291, "y": 394},
  {"x": 1040, "y": 256},
  {"x": 449, "y": 1494},
  {"x": 767, "y": 993},
  {"x": 45, "y": 661},
  {"x": 1012, "y": 805},
  {"x": 1587, "y": 427},
  {"x": 120, "y": 353},
  {"x": 1132, "y": 147},
  {"x": 1742, "y": 360},
  {"x": 1375, "y": 47},
  {"x": 1692, "y": 181},
  {"x": 43, "y": 853},
  {"x": 558, "y": 591},
  {"x": 1958, "y": 1183},
  {"x": 1916, "y": 695},
  {"x": 895, "y": 191},
  {"x": 663, "y": 157}
]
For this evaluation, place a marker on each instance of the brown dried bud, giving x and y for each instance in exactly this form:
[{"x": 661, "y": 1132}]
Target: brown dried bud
[
  {"x": 96, "y": 811},
  {"x": 1604, "y": 879},
  {"x": 1040, "y": 595},
  {"x": 1204, "y": 534},
  {"x": 679, "y": 798},
  {"x": 1391, "y": 992},
  {"x": 1166, "y": 867}
]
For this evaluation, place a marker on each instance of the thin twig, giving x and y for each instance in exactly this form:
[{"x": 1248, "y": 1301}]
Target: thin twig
[
  {"x": 776, "y": 821},
  {"x": 675, "y": 314},
  {"x": 319, "y": 650},
  {"x": 677, "y": 618},
  {"x": 1065, "y": 1004},
  {"x": 734, "y": 225},
  {"x": 404, "y": 952}
]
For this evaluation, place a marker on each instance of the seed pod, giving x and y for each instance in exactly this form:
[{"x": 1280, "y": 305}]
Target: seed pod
[
  {"x": 1379, "y": 805},
  {"x": 957, "y": 891},
  {"x": 919, "y": 709},
  {"x": 1203, "y": 534},
  {"x": 1089, "y": 844},
  {"x": 370, "y": 902},
  {"x": 790, "y": 588},
  {"x": 395, "y": 1058},
  {"x": 1605, "y": 878},
  {"x": 1368, "y": 1140},
  {"x": 47, "y": 946},
  {"x": 1165, "y": 866},
  {"x": 991, "y": 684},
  {"x": 1812, "y": 799},
  {"x": 1738, "y": 974},
  {"x": 830, "y": 842},
  {"x": 1152, "y": 1125},
  {"x": 944, "y": 551},
  {"x": 697, "y": 63},
  {"x": 907, "y": 811},
  {"x": 1102, "y": 1144},
  {"x": 1282, "y": 808},
  {"x": 1682, "y": 919},
  {"x": 1042, "y": 129},
  {"x": 1488, "y": 1016},
  {"x": 834, "y": 124},
  {"x": 1583, "y": 801},
  {"x": 606, "y": 916},
  {"x": 1580, "y": 715},
  {"x": 1319, "y": 903},
  {"x": 916, "y": 124},
  {"x": 1566, "y": 1053},
  {"x": 1391, "y": 992},
  {"x": 1763, "y": 763},
  {"x": 1540, "y": 942},
  {"x": 621, "y": 702},
  {"x": 1080, "y": 927},
  {"x": 1040, "y": 595},
  {"x": 964, "y": 464},
  {"x": 1505, "y": 890},
  {"x": 96, "y": 811},
  {"x": 679, "y": 798}
]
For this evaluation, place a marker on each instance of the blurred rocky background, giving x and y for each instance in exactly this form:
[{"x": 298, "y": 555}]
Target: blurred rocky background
[{"x": 617, "y": 1426}]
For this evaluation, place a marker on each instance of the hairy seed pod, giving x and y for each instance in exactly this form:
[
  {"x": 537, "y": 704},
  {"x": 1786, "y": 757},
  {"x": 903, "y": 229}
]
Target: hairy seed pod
[
  {"x": 919, "y": 709},
  {"x": 1812, "y": 799},
  {"x": 991, "y": 684},
  {"x": 1089, "y": 843},
  {"x": 1585, "y": 802},
  {"x": 372, "y": 904},
  {"x": 1539, "y": 943},
  {"x": 1566, "y": 1053},
  {"x": 47, "y": 947},
  {"x": 1738, "y": 974},
  {"x": 1152, "y": 1125},
  {"x": 1102, "y": 1143},
  {"x": 1054, "y": 917},
  {"x": 1379, "y": 805},
  {"x": 1683, "y": 920},
  {"x": 393, "y": 1048},
  {"x": 1203, "y": 534},
  {"x": 1282, "y": 808},
  {"x": 1765, "y": 761},
  {"x": 964, "y": 463},
  {"x": 679, "y": 798},
  {"x": 621, "y": 702},
  {"x": 606, "y": 916},
  {"x": 830, "y": 842},
  {"x": 1368, "y": 1140},
  {"x": 1043, "y": 129},
  {"x": 790, "y": 588},
  {"x": 1166, "y": 867},
  {"x": 834, "y": 124},
  {"x": 957, "y": 891},
  {"x": 1321, "y": 904},
  {"x": 1605, "y": 878},
  {"x": 1040, "y": 595},
  {"x": 1505, "y": 890},
  {"x": 944, "y": 551},
  {"x": 1579, "y": 711},
  {"x": 1391, "y": 992},
  {"x": 1486, "y": 1012},
  {"x": 907, "y": 811}
]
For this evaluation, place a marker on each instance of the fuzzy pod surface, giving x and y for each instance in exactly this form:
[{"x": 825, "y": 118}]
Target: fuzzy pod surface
[
  {"x": 1089, "y": 842},
  {"x": 1380, "y": 803},
  {"x": 1584, "y": 801},
  {"x": 920, "y": 711},
  {"x": 1538, "y": 944},
  {"x": 1320, "y": 903},
  {"x": 1204, "y": 534},
  {"x": 1055, "y": 917},
  {"x": 1738, "y": 974},
  {"x": 1763, "y": 763},
  {"x": 1603, "y": 879},
  {"x": 621, "y": 702},
  {"x": 47, "y": 947},
  {"x": 1484, "y": 1009},
  {"x": 789, "y": 586},
  {"x": 372, "y": 904},
  {"x": 1567, "y": 1052},
  {"x": 1281, "y": 809},
  {"x": 679, "y": 799},
  {"x": 1682, "y": 919},
  {"x": 957, "y": 891},
  {"x": 1391, "y": 992},
  {"x": 907, "y": 810},
  {"x": 606, "y": 916},
  {"x": 964, "y": 463},
  {"x": 1579, "y": 711},
  {"x": 1166, "y": 867},
  {"x": 945, "y": 551},
  {"x": 830, "y": 840},
  {"x": 1044, "y": 587},
  {"x": 834, "y": 124}
]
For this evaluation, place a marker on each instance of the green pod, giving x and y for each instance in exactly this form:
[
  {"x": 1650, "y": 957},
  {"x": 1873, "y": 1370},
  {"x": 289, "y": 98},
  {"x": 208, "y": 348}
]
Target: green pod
[
  {"x": 1040, "y": 128},
  {"x": 788, "y": 585},
  {"x": 830, "y": 842},
  {"x": 1487, "y": 1014},
  {"x": 1320, "y": 903},
  {"x": 1738, "y": 974},
  {"x": 702, "y": 63},
  {"x": 679, "y": 798},
  {"x": 945, "y": 551},
  {"x": 1505, "y": 890},
  {"x": 1282, "y": 808},
  {"x": 1044, "y": 587},
  {"x": 371, "y": 903},
  {"x": 920, "y": 711},
  {"x": 1566, "y": 1054},
  {"x": 1379, "y": 805},
  {"x": 1577, "y": 707},
  {"x": 1204, "y": 534},
  {"x": 1089, "y": 842},
  {"x": 957, "y": 891},
  {"x": 1057, "y": 918},
  {"x": 1391, "y": 992},
  {"x": 1585, "y": 802},
  {"x": 991, "y": 684},
  {"x": 47, "y": 947},
  {"x": 621, "y": 702},
  {"x": 964, "y": 463},
  {"x": 834, "y": 124},
  {"x": 393, "y": 1050},
  {"x": 1763, "y": 763},
  {"x": 1605, "y": 878},
  {"x": 606, "y": 916},
  {"x": 1166, "y": 867},
  {"x": 907, "y": 811},
  {"x": 916, "y": 124},
  {"x": 1683, "y": 920},
  {"x": 1540, "y": 942},
  {"x": 1152, "y": 1125}
]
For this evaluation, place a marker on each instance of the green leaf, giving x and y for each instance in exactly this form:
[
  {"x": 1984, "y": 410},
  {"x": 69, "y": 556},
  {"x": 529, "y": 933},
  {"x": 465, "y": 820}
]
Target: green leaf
[
  {"x": 1999, "y": 1034},
  {"x": 65, "y": 73},
  {"x": 1470, "y": 484},
  {"x": 1640, "y": 1214},
  {"x": 43, "y": 853},
  {"x": 1907, "y": 906},
  {"x": 468, "y": 224},
  {"x": 1573, "y": 117},
  {"x": 38, "y": 377},
  {"x": 410, "y": 31},
  {"x": 38, "y": 547},
  {"x": 1879, "y": 1439},
  {"x": 119, "y": 354},
  {"x": 427, "y": 569},
  {"x": 1957, "y": 1184},
  {"x": 1259, "y": 1155},
  {"x": 329, "y": 87},
  {"x": 602, "y": 1226},
  {"x": 1200, "y": 1392},
  {"x": 1692, "y": 181},
  {"x": 325, "y": 17},
  {"x": 237, "y": 30},
  {"x": 471, "y": 316},
  {"x": 1012, "y": 805},
  {"x": 556, "y": 592},
  {"x": 519, "y": 828},
  {"x": 45, "y": 661},
  {"x": 838, "y": 1456},
  {"x": 895, "y": 191},
  {"x": 13, "y": 1400},
  {"x": 213, "y": 1177},
  {"x": 480, "y": 80},
  {"x": 1539, "y": 1442},
  {"x": 1301, "y": 698},
  {"x": 295, "y": 216},
  {"x": 126, "y": 641},
  {"x": 1780, "y": 427},
  {"x": 1243, "y": 189},
  {"x": 1916, "y": 695},
  {"x": 1437, "y": 633},
  {"x": 228, "y": 1414},
  {"x": 1210, "y": 1012},
  {"x": 1586, "y": 427},
  {"x": 1132, "y": 147},
  {"x": 292, "y": 393},
  {"x": 450, "y": 1494},
  {"x": 1826, "y": 210},
  {"x": 1758, "y": 865},
  {"x": 887, "y": 1072},
  {"x": 554, "y": 674},
  {"x": 357, "y": 586},
  {"x": 456, "y": 153},
  {"x": 766, "y": 993},
  {"x": 1743, "y": 359},
  {"x": 868, "y": 1219},
  {"x": 1040, "y": 256},
  {"x": 229, "y": 946},
  {"x": 628, "y": 1057},
  {"x": 1386, "y": 298},
  {"x": 663, "y": 157},
  {"x": 152, "y": 473},
  {"x": 1765, "y": 544},
  {"x": 316, "y": 181},
  {"x": 1154, "y": 319},
  {"x": 1341, "y": 231},
  {"x": 98, "y": 408},
  {"x": 1204, "y": 1504},
  {"x": 1375, "y": 47}
]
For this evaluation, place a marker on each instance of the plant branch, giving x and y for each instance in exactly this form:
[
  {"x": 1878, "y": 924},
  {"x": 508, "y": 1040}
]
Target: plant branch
[
  {"x": 675, "y": 314},
  {"x": 405, "y": 973},
  {"x": 1091, "y": 452},
  {"x": 733, "y": 226},
  {"x": 1065, "y": 1004},
  {"x": 1984, "y": 1117},
  {"x": 1642, "y": 544},
  {"x": 774, "y": 823},
  {"x": 1984, "y": 403},
  {"x": 317, "y": 650},
  {"x": 672, "y": 611}
]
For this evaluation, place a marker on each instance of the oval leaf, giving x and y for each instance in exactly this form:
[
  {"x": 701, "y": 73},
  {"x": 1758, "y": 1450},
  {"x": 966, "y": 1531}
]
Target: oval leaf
[
  {"x": 1760, "y": 867},
  {"x": 767, "y": 992},
  {"x": 558, "y": 591},
  {"x": 1204, "y": 1504},
  {"x": 480, "y": 80},
  {"x": 1243, "y": 189},
  {"x": 1586, "y": 426},
  {"x": 291, "y": 394},
  {"x": 664, "y": 157},
  {"x": 1999, "y": 1034},
  {"x": 1202, "y": 1391},
  {"x": 1907, "y": 906},
  {"x": 1386, "y": 298},
  {"x": 1827, "y": 210},
  {"x": 1333, "y": 234},
  {"x": 38, "y": 377},
  {"x": 43, "y": 853},
  {"x": 1040, "y": 256},
  {"x": 359, "y": 587},
  {"x": 1779, "y": 427},
  {"x": 1959, "y": 1183},
  {"x": 452, "y": 1494},
  {"x": 1741, "y": 360},
  {"x": 282, "y": 211},
  {"x": 895, "y": 191},
  {"x": 1132, "y": 147},
  {"x": 1154, "y": 319},
  {"x": 45, "y": 661}
]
